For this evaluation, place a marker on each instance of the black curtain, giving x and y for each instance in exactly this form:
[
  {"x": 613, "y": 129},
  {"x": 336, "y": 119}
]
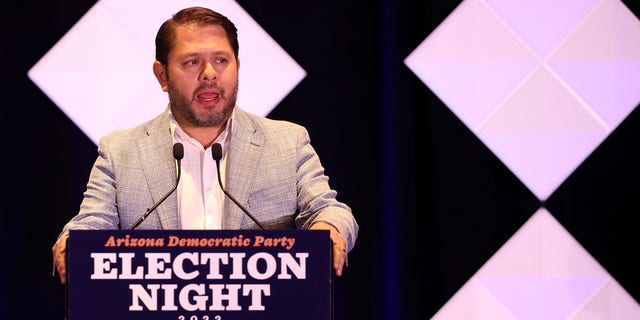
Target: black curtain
[{"x": 433, "y": 203}]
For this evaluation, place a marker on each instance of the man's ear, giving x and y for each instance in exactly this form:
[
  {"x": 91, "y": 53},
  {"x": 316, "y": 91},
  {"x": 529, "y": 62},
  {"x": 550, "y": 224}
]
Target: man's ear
[{"x": 161, "y": 74}]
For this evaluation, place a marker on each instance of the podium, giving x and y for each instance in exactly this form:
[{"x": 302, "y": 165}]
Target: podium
[{"x": 199, "y": 274}]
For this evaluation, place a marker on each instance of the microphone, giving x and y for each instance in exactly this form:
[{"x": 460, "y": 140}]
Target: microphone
[
  {"x": 178, "y": 154},
  {"x": 216, "y": 152}
]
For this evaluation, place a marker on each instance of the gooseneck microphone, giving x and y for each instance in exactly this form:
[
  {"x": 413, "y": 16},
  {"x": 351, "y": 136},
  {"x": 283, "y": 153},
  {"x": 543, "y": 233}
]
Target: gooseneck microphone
[
  {"x": 216, "y": 152},
  {"x": 178, "y": 154}
]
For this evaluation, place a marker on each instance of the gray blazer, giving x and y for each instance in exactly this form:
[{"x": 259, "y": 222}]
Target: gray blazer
[{"x": 272, "y": 169}]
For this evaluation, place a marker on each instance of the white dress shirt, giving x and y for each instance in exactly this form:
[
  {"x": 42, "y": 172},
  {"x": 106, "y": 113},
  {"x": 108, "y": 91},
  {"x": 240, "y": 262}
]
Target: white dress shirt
[{"x": 200, "y": 199}]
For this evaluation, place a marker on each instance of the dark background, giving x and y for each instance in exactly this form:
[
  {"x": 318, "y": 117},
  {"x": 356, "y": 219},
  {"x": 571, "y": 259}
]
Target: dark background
[{"x": 433, "y": 203}]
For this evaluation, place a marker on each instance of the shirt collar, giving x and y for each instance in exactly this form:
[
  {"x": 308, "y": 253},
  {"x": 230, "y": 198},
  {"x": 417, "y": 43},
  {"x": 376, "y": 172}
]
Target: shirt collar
[{"x": 223, "y": 139}]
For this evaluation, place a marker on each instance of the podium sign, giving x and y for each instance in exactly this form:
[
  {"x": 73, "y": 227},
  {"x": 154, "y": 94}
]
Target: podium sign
[{"x": 199, "y": 274}]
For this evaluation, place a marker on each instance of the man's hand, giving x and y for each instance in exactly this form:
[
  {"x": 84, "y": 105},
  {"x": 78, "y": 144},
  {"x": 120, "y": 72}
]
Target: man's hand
[
  {"x": 339, "y": 245},
  {"x": 59, "y": 252}
]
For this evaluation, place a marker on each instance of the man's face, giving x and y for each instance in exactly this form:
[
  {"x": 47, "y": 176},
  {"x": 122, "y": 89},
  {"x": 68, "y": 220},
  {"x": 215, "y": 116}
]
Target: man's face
[{"x": 201, "y": 76}]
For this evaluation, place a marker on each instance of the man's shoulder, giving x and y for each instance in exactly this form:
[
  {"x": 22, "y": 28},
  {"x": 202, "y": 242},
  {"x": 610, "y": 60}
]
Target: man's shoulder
[
  {"x": 263, "y": 123},
  {"x": 129, "y": 135}
]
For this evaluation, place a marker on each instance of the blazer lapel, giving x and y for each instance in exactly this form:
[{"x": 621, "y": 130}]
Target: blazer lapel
[
  {"x": 156, "y": 155},
  {"x": 244, "y": 155}
]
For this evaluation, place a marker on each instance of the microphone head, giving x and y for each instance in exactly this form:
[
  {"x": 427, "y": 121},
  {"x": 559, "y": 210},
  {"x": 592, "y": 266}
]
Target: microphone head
[
  {"x": 178, "y": 151},
  {"x": 216, "y": 151}
]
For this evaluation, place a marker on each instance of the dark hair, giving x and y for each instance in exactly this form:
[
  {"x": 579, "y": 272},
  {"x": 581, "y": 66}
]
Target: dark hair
[{"x": 166, "y": 36}]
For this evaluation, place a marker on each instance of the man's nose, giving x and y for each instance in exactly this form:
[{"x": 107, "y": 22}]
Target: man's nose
[{"x": 208, "y": 73}]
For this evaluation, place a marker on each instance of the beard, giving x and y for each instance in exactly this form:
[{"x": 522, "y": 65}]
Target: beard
[{"x": 183, "y": 105}]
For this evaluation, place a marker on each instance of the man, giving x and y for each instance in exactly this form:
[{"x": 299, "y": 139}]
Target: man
[{"x": 268, "y": 165}]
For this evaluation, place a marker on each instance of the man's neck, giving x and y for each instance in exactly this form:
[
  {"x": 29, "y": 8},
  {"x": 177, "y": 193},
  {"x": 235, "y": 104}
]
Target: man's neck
[{"x": 205, "y": 135}]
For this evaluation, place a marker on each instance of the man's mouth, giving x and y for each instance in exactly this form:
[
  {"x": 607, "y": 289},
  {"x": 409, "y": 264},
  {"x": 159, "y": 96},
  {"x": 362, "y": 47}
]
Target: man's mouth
[{"x": 208, "y": 97}]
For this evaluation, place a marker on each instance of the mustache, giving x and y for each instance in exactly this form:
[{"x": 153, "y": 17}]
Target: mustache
[{"x": 207, "y": 87}]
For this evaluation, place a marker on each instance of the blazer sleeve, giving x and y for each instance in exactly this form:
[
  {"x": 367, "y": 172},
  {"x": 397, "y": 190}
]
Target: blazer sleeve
[
  {"x": 316, "y": 200},
  {"x": 98, "y": 209}
]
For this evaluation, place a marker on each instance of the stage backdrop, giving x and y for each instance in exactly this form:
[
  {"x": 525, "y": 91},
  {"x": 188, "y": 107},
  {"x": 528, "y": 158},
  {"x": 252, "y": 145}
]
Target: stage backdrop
[{"x": 486, "y": 147}]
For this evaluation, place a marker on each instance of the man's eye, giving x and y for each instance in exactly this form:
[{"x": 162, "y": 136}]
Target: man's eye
[
  {"x": 221, "y": 60},
  {"x": 193, "y": 62}
]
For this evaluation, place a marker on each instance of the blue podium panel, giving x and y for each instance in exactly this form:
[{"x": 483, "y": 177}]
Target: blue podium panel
[{"x": 199, "y": 274}]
